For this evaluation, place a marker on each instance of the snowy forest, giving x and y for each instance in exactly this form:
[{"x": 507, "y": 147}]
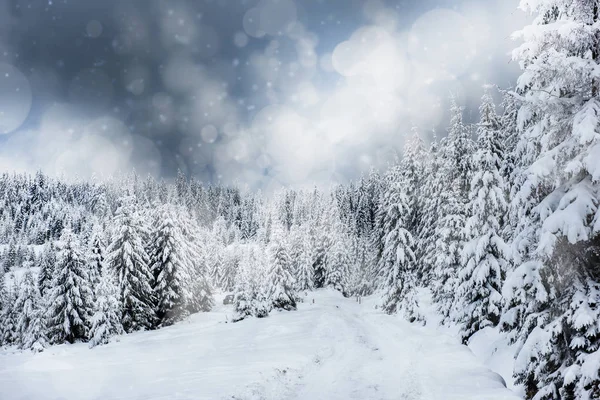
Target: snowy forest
[{"x": 496, "y": 222}]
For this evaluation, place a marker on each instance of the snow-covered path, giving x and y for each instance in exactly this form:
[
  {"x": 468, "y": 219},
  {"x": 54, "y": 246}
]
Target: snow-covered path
[{"x": 333, "y": 349}]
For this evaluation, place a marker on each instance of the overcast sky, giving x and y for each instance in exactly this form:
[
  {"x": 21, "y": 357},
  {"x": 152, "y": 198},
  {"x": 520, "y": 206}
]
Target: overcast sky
[{"x": 264, "y": 93}]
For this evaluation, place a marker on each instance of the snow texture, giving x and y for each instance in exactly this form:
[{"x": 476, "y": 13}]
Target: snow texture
[{"x": 331, "y": 349}]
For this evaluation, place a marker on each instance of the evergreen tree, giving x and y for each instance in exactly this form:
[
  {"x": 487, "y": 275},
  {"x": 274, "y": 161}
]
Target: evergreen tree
[
  {"x": 250, "y": 295},
  {"x": 10, "y": 259},
  {"x": 559, "y": 189},
  {"x": 96, "y": 251},
  {"x": 8, "y": 328},
  {"x": 47, "y": 263},
  {"x": 31, "y": 323},
  {"x": 128, "y": 260},
  {"x": 455, "y": 171},
  {"x": 200, "y": 291},
  {"x": 70, "y": 298},
  {"x": 106, "y": 321},
  {"x": 485, "y": 254},
  {"x": 302, "y": 256},
  {"x": 337, "y": 256},
  {"x": 433, "y": 185},
  {"x": 281, "y": 281},
  {"x": 171, "y": 269},
  {"x": 397, "y": 263}
]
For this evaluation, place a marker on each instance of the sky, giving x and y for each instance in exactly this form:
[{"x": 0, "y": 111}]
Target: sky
[{"x": 259, "y": 93}]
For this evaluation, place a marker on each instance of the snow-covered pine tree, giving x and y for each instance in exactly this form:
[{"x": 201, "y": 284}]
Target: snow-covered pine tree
[
  {"x": 10, "y": 258},
  {"x": 509, "y": 128},
  {"x": 106, "y": 321},
  {"x": 280, "y": 279},
  {"x": 412, "y": 176},
  {"x": 243, "y": 292},
  {"x": 171, "y": 268},
  {"x": 96, "y": 253},
  {"x": 432, "y": 187},
  {"x": 455, "y": 171},
  {"x": 397, "y": 258},
  {"x": 412, "y": 169},
  {"x": 200, "y": 291},
  {"x": 560, "y": 89},
  {"x": 128, "y": 259},
  {"x": 485, "y": 254},
  {"x": 47, "y": 262},
  {"x": 301, "y": 257},
  {"x": 317, "y": 236},
  {"x": 31, "y": 323},
  {"x": 9, "y": 316},
  {"x": 337, "y": 256},
  {"x": 70, "y": 299},
  {"x": 250, "y": 294}
]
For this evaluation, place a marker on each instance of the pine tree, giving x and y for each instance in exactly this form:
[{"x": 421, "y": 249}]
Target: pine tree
[
  {"x": 128, "y": 260},
  {"x": 398, "y": 262},
  {"x": 96, "y": 251},
  {"x": 250, "y": 295},
  {"x": 106, "y": 321},
  {"x": 8, "y": 328},
  {"x": 281, "y": 281},
  {"x": 337, "y": 258},
  {"x": 70, "y": 298},
  {"x": 485, "y": 254},
  {"x": 412, "y": 169},
  {"x": 243, "y": 294},
  {"x": 433, "y": 185},
  {"x": 171, "y": 269},
  {"x": 455, "y": 170},
  {"x": 200, "y": 291},
  {"x": 47, "y": 262},
  {"x": 302, "y": 256},
  {"x": 10, "y": 259},
  {"x": 559, "y": 193},
  {"x": 31, "y": 323}
]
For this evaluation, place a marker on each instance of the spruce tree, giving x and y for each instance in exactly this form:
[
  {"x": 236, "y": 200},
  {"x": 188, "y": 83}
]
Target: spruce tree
[
  {"x": 10, "y": 316},
  {"x": 433, "y": 185},
  {"x": 128, "y": 260},
  {"x": 560, "y": 119},
  {"x": 337, "y": 256},
  {"x": 96, "y": 253},
  {"x": 171, "y": 268},
  {"x": 281, "y": 281},
  {"x": 485, "y": 254},
  {"x": 398, "y": 260},
  {"x": 47, "y": 263},
  {"x": 250, "y": 293},
  {"x": 455, "y": 172},
  {"x": 70, "y": 299},
  {"x": 31, "y": 323},
  {"x": 106, "y": 321},
  {"x": 199, "y": 288},
  {"x": 303, "y": 255}
]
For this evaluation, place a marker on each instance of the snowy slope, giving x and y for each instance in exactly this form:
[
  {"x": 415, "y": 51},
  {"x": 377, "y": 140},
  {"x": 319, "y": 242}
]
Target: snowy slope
[{"x": 333, "y": 349}]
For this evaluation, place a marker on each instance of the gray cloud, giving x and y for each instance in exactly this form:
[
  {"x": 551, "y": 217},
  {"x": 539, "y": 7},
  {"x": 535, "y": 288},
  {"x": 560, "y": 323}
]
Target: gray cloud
[{"x": 265, "y": 92}]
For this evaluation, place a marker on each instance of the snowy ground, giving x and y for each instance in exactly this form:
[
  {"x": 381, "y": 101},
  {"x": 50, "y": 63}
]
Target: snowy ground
[{"x": 333, "y": 349}]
